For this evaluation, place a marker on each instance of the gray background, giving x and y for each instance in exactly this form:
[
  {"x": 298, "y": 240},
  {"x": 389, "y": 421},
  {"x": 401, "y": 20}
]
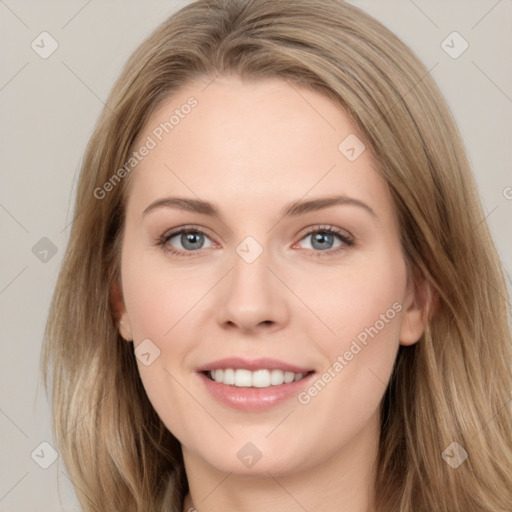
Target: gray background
[{"x": 48, "y": 109}]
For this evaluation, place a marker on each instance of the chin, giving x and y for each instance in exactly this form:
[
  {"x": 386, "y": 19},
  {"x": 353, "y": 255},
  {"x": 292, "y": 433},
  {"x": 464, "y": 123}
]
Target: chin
[{"x": 253, "y": 459}]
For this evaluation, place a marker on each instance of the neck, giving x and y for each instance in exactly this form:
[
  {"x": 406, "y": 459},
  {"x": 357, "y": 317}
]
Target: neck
[{"x": 343, "y": 481}]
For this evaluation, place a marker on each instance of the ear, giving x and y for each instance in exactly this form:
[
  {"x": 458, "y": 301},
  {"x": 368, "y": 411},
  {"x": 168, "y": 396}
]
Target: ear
[
  {"x": 419, "y": 302},
  {"x": 119, "y": 309}
]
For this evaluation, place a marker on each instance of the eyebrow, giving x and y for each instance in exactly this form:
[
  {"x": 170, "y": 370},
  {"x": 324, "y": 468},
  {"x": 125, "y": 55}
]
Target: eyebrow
[{"x": 293, "y": 209}]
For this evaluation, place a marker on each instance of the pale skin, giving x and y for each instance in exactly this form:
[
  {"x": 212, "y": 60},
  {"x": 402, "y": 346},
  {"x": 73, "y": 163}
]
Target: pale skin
[{"x": 251, "y": 148}]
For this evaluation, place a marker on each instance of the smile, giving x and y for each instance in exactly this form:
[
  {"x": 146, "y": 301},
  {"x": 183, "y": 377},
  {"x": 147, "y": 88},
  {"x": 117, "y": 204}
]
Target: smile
[{"x": 263, "y": 378}]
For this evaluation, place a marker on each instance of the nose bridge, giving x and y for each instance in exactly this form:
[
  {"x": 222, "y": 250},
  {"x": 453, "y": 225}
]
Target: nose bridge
[
  {"x": 251, "y": 277},
  {"x": 252, "y": 293}
]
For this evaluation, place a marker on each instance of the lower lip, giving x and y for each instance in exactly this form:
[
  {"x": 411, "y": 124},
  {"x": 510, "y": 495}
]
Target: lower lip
[{"x": 254, "y": 399}]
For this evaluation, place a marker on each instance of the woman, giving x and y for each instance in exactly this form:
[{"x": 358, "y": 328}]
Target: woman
[{"x": 252, "y": 372}]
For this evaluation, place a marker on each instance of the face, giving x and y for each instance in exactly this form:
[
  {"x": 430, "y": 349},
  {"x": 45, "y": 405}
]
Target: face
[{"x": 298, "y": 304}]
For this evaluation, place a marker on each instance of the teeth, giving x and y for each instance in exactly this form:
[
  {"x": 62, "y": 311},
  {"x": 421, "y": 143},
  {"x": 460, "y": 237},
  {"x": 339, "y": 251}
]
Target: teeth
[
  {"x": 257, "y": 379},
  {"x": 229, "y": 376}
]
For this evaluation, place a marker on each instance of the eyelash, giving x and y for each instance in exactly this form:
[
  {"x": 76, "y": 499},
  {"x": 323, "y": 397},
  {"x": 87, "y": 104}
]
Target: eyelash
[{"x": 347, "y": 240}]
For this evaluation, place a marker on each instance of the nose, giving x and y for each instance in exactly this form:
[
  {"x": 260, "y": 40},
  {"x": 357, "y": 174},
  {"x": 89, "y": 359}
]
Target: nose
[{"x": 253, "y": 297}]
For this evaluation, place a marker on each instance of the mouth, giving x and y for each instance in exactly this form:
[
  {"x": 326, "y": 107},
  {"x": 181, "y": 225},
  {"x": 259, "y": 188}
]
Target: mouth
[
  {"x": 252, "y": 385},
  {"x": 262, "y": 378}
]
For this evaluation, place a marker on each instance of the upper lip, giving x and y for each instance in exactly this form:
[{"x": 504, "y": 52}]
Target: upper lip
[{"x": 252, "y": 364}]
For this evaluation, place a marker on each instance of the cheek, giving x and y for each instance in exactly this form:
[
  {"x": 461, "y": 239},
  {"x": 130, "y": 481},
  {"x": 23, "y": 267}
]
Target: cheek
[
  {"x": 364, "y": 323},
  {"x": 157, "y": 297},
  {"x": 355, "y": 301},
  {"x": 360, "y": 355},
  {"x": 162, "y": 304},
  {"x": 157, "y": 302}
]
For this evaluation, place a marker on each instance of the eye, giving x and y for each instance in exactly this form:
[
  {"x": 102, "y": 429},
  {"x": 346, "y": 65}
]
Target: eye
[
  {"x": 191, "y": 239},
  {"x": 323, "y": 238}
]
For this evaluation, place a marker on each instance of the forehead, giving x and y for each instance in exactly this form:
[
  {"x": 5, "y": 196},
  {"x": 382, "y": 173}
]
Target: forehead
[{"x": 251, "y": 141}]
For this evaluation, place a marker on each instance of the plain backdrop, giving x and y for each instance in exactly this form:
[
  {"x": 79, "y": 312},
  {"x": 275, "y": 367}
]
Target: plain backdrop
[{"x": 48, "y": 110}]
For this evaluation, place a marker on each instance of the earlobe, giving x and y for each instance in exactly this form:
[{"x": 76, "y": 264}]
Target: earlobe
[
  {"x": 125, "y": 330},
  {"x": 119, "y": 310},
  {"x": 418, "y": 305}
]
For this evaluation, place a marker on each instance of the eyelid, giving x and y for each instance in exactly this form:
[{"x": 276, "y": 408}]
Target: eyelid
[
  {"x": 327, "y": 227},
  {"x": 188, "y": 227}
]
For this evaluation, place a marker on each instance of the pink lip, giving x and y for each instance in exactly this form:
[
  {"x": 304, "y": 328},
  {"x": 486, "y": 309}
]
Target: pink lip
[
  {"x": 254, "y": 399},
  {"x": 253, "y": 365}
]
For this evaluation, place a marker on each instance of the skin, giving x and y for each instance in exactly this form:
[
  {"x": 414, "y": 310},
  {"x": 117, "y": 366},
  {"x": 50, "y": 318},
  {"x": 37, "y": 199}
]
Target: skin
[{"x": 251, "y": 147}]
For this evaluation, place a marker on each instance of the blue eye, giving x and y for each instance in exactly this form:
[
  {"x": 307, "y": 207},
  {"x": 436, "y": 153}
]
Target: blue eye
[
  {"x": 324, "y": 236},
  {"x": 192, "y": 240}
]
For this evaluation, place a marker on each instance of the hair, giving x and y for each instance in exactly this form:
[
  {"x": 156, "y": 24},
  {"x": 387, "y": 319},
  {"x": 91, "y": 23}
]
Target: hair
[{"x": 454, "y": 385}]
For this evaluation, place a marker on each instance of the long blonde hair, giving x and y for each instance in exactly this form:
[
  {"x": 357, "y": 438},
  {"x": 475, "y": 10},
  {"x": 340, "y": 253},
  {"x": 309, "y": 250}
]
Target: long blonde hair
[{"x": 454, "y": 385}]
